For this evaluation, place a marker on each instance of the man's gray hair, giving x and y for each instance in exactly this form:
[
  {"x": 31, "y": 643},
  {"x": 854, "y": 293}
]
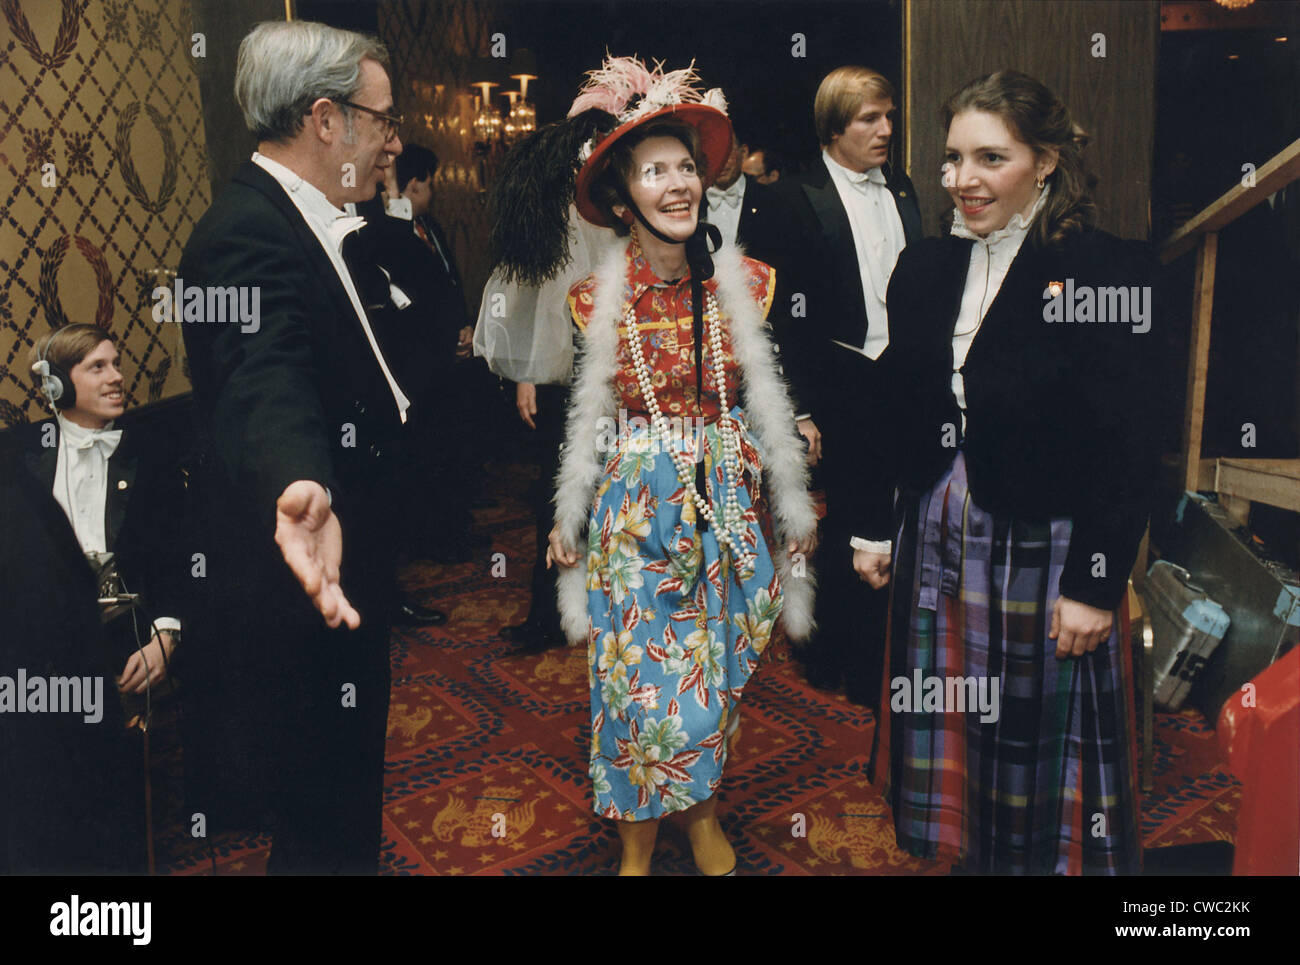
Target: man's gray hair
[{"x": 284, "y": 67}]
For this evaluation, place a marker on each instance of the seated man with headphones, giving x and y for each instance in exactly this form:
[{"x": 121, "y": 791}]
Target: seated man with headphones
[{"x": 114, "y": 493}]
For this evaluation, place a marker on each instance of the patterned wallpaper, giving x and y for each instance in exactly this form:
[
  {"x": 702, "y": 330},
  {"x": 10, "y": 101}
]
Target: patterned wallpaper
[
  {"x": 434, "y": 47},
  {"x": 105, "y": 92}
]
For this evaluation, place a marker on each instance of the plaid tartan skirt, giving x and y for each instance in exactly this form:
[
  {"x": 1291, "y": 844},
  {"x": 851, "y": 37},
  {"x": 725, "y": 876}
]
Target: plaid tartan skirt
[{"x": 1039, "y": 777}]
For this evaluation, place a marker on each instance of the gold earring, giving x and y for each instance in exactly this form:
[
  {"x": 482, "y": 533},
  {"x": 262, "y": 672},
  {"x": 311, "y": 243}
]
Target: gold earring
[{"x": 1039, "y": 182}]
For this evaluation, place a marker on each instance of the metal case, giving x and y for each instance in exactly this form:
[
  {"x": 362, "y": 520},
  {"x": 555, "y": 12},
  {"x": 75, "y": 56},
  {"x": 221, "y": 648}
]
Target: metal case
[
  {"x": 1187, "y": 625},
  {"x": 1261, "y": 597}
]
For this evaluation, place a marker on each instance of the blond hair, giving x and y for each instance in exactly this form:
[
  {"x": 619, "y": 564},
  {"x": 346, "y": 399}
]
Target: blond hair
[
  {"x": 841, "y": 95},
  {"x": 66, "y": 347}
]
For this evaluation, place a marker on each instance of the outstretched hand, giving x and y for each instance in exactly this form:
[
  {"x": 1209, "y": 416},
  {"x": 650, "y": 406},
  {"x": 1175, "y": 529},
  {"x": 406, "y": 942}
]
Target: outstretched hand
[{"x": 311, "y": 541}]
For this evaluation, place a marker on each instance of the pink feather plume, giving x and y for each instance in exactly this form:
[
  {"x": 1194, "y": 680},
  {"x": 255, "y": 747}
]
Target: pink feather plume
[{"x": 619, "y": 79}]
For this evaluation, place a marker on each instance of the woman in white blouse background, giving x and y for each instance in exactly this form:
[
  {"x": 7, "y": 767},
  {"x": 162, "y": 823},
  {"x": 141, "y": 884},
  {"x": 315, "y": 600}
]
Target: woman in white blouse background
[{"x": 1022, "y": 420}]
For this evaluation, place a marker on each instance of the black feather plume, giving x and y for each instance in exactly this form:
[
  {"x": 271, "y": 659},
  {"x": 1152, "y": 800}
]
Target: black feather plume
[{"x": 530, "y": 200}]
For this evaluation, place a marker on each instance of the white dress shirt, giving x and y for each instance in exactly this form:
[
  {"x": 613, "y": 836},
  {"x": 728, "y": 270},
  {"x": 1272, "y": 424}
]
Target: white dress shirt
[
  {"x": 81, "y": 480},
  {"x": 81, "y": 487},
  {"x": 725, "y": 208},
  {"x": 878, "y": 239},
  {"x": 990, "y": 259},
  {"x": 331, "y": 226}
]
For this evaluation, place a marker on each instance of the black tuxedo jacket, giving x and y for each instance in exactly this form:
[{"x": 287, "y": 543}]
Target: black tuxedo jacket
[
  {"x": 454, "y": 304},
  {"x": 805, "y": 235},
  {"x": 303, "y": 397},
  {"x": 419, "y": 340},
  {"x": 143, "y": 511},
  {"x": 69, "y": 796},
  {"x": 1061, "y": 419}
]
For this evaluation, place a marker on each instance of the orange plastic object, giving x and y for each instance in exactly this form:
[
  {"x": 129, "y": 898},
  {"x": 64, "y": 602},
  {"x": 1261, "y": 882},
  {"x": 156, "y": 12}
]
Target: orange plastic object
[{"x": 1262, "y": 745}]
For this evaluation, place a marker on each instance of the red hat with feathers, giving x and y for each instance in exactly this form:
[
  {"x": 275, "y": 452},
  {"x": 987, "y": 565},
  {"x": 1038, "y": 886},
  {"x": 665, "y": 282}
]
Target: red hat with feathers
[
  {"x": 558, "y": 163},
  {"x": 625, "y": 88}
]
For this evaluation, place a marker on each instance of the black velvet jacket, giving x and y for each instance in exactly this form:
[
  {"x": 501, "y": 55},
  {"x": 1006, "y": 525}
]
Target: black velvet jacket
[{"x": 1060, "y": 415}]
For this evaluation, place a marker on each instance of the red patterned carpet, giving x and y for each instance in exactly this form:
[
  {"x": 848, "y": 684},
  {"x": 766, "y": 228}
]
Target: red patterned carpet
[{"x": 486, "y": 763}]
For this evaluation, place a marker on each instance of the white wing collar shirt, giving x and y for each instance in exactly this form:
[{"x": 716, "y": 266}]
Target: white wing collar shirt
[
  {"x": 81, "y": 479},
  {"x": 879, "y": 239},
  {"x": 724, "y": 209},
  {"x": 331, "y": 226}
]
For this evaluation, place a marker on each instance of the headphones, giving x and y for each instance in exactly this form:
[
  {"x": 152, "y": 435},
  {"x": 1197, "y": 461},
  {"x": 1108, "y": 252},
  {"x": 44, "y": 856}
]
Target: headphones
[{"x": 55, "y": 383}]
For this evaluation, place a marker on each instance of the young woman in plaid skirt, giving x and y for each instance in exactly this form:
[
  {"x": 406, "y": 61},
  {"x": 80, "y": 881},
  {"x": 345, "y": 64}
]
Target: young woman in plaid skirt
[{"x": 1022, "y": 423}]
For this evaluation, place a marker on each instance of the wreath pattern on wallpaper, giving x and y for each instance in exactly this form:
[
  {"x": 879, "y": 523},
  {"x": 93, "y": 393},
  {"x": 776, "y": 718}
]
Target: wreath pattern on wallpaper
[
  {"x": 49, "y": 280},
  {"x": 77, "y": 79},
  {"x": 122, "y": 146},
  {"x": 64, "y": 42}
]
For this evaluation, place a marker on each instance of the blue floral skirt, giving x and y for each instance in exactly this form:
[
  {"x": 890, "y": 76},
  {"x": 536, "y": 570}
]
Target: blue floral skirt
[{"x": 675, "y": 630}]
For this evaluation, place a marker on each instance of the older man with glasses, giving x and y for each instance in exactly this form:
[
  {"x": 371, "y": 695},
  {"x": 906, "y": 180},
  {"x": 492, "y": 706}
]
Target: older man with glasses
[{"x": 297, "y": 416}]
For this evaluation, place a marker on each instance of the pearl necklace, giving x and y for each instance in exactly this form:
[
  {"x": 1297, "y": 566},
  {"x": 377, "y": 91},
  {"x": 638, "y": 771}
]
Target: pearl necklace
[{"x": 733, "y": 527}]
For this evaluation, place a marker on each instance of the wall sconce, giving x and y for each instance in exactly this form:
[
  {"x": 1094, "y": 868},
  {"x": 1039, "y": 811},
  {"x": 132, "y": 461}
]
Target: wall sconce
[
  {"x": 494, "y": 134},
  {"x": 521, "y": 119},
  {"x": 523, "y": 68},
  {"x": 487, "y": 122},
  {"x": 491, "y": 130}
]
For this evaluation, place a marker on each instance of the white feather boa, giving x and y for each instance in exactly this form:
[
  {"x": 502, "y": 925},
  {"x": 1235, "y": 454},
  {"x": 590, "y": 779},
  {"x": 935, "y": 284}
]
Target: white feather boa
[{"x": 769, "y": 416}]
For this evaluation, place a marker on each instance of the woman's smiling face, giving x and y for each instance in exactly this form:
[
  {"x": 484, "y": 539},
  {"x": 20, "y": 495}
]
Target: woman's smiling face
[
  {"x": 989, "y": 173},
  {"x": 665, "y": 185}
]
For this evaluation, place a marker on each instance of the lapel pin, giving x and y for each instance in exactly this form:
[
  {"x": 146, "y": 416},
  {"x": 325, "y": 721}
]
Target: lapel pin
[
  {"x": 121, "y": 484},
  {"x": 1054, "y": 288}
]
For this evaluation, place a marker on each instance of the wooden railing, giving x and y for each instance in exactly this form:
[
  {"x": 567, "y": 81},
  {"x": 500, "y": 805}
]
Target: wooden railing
[{"x": 1238, "y": 481}]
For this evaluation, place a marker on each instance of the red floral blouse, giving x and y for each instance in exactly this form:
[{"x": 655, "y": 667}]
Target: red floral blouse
[{"x": 666, "y": 327}]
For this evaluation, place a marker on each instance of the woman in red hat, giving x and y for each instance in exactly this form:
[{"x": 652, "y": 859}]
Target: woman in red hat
[{"x": 683, "y": 518}]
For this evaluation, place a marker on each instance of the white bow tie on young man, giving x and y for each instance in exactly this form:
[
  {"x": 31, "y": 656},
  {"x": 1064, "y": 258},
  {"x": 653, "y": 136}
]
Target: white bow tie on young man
[
  {"x": 859, "y": 179},
  {"x": 80, "y": 438}
]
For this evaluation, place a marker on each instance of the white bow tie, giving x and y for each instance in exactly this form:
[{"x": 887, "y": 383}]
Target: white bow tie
[
  {"x": 82, "y": 439},
  {"x": 875, "y": 176},
  {"x": 731, "y": 197}
]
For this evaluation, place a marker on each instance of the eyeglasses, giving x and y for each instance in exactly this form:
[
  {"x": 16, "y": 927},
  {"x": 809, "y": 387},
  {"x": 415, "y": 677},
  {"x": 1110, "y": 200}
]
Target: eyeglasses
[{"x": 392, "y": 121}]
